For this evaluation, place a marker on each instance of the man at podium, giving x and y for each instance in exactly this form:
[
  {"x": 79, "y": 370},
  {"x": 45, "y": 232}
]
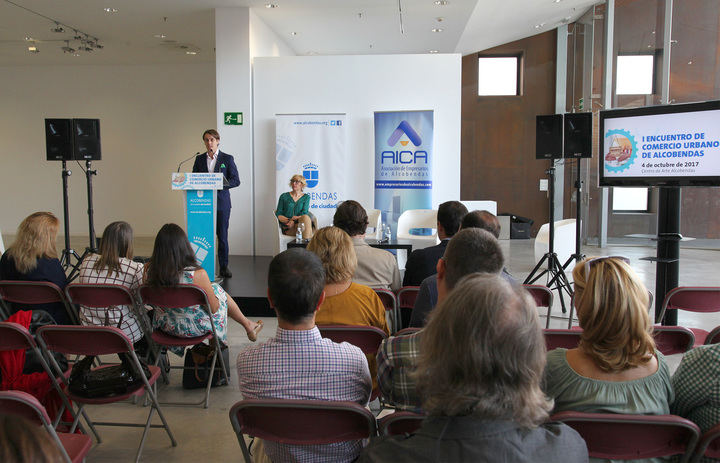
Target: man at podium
[{"x": 219, "y": 162}]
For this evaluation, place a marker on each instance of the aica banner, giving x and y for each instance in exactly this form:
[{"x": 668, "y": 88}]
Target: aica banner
[
  {"x": 403, "y": 162},
  {"x": 312, "y": 145}
]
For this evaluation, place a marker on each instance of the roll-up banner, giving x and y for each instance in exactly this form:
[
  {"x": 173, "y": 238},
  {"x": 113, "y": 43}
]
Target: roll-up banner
[
  {"x": 403, "y": 163},
  {"x": 312, "y": 145}
]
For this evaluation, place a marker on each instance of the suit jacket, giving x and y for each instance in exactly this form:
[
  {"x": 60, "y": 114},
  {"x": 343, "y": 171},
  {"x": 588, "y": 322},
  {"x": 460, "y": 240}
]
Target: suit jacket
[
  {"x": 422, "y": 263},
  {"x": 225, "y": 165}
]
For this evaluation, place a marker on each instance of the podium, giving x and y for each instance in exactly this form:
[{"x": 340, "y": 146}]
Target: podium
[{"x": 200, "y": 213}]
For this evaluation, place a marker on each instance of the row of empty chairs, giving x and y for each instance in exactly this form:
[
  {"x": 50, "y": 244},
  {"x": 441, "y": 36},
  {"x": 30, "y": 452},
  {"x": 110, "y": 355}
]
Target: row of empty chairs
[{"x": 610, "y": 436}]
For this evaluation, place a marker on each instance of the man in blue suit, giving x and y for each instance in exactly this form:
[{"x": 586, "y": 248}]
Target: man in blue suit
[{"x": 219, "y": 162}]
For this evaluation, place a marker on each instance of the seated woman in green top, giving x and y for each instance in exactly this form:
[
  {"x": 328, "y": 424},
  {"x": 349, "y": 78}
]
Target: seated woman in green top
[
  {"x": 616, "y": 368},
  {"x": 292, "y": 208}
]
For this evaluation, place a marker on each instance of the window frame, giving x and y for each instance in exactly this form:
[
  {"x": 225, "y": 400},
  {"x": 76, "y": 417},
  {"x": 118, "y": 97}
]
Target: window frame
[{"x": 518, "y": 72}]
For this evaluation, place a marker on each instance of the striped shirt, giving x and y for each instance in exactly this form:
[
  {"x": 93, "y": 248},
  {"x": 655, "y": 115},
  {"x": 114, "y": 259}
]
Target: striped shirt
[{"x": 303, "y": 365}]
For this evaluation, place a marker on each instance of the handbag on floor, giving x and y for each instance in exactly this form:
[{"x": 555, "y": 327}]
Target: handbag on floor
[{"x": 197, "y": 366}]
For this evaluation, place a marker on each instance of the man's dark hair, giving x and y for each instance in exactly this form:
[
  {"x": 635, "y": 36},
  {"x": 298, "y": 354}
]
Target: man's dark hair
[
  {"x": 471, "y": 250},
  {"x": 482, "y": 219},
  {"x": 296, "y": 280},
  {"x": 351, "y": 217},
  {"x": 450, "y": 214},
  {"x": 213, "y": 133}
]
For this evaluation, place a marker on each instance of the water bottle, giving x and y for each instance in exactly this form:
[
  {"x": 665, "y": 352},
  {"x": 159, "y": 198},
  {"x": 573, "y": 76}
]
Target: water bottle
[{"x": 299, "y": 232}]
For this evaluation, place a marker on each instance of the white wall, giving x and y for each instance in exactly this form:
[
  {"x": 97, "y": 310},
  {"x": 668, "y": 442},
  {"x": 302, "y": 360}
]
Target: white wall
[
  {"x": 357, "y": 86},
  {"x": 151, "y": 117}
]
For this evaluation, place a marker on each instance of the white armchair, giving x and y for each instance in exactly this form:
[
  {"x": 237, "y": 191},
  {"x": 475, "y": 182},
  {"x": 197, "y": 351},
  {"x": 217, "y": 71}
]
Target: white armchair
[{"x": 374, "y": 221}]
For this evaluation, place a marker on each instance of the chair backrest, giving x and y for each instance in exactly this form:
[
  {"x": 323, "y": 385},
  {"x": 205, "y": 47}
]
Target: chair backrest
[
  {"x": 673, "y": 339},
  {"x": 98, "y": 295},
  {"x": 406, "y": 296},
  {"x": 567, "y": 339},
  {"x": 367, "y": 338},
  {"x": 713, "y": 336},
  {"x": 14, "y": 336},
  {"x": 389, "y": 301},
  {"x": 84, "y": 340},
  {"x": 417, "y": 218},
  {"x": 709, "y": 445},
  {"x": 692, "y": 298},
  {"x": 374, "y": 223},
  {"x": 174, "y": 297},
  {"x": 541, "y": 294},
  {"x": 408, "y": 330},
  {"x": 400, "y": 423},
  {"x": 625, "y": 437},
  {"x": 34, "y": 292},
  {"x": 302, "y": 422}
]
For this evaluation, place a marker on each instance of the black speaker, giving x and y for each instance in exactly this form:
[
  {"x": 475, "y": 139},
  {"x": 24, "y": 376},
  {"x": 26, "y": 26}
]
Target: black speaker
[
  {"x": 58, "y": 139},
  {"x": 86, "y": 139},
  {"x": 578, "y": 135},
  {"x": 548, "y": 136}
]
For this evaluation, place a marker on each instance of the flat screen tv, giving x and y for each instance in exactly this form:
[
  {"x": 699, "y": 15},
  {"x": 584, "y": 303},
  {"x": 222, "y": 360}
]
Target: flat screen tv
[{"x": 669, "y": 145}]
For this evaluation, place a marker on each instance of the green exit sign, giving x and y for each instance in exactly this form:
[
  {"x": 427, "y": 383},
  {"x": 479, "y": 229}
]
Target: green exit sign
[{"x": 233, "y": 118}]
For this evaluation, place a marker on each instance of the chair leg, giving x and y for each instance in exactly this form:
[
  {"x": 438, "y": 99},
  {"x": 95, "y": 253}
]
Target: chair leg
[
  {"x": 210, "y": 377},
  {"x": 156, "y": 406},
  {"x": 547, "y": 322},
  {"x": 144, "y": 435},
  {"x": 243, "y": 446}
]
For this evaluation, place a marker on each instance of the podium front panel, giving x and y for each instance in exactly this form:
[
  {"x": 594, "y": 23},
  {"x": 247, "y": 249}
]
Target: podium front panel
[{"x": 201, "y": 221}]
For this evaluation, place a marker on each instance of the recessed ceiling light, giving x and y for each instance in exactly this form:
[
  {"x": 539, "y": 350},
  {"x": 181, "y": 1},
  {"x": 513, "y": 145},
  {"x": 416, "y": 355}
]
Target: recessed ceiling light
[
  {"x": 191, "y": 52},
  {"x": 557, "y": 1},
  {"x": 76, "y": 54},
  {"x": 293, "y": 33},
  {"x": 439, "y": 19},
  {"x": 538, "y": 26},
  {"x": 110, "y": 10},
  {"x": 436, "y": 29},
  {"x": 159, "y": 36},
  {"x": 29, "y": 39},
  {"x": 33, "y": 49},
  {"x": 432, "y": 51},
  {"x": 690, "y": 62},
  {"x": 271, "y": 5},
  {"x": 441, "y": 2}
]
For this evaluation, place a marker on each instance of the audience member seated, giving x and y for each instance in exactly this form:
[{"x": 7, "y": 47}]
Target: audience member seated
[
  {"x": 696, "y": 381},
  {"x": 375, "y": 267},
  {"x": 397, "y": 357},
  {"x": 615, "y": 368},
  {"x": 422, "y": 263},
  {"x": 173, "y": 262},
  {"x": 298, "y": 363},
  {"x": 478, "y": 253},
  {"x": 487, "y": 221},
  {"x": 480, "y": 370},
  {"x": 346, "y": 302},
  {"x": 293, "y": 208},
  {"x": 33, "y": 256},
  {"x": 114, "y": 266},
  {"x": 24, "y": 442}
]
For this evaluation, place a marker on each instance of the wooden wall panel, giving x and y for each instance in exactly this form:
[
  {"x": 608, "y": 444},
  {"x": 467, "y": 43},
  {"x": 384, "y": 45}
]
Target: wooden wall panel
[{"x": 498, "y": 132}]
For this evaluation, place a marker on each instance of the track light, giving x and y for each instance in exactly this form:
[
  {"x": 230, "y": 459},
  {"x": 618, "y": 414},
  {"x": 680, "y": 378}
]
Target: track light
[
  {"x": 33, "y": 49},
  {"x": 67, "y": 48},
  {"x": 58, "y": 29}
]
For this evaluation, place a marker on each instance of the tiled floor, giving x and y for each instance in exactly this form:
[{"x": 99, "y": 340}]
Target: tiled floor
[{"x": 206, "y": 435}]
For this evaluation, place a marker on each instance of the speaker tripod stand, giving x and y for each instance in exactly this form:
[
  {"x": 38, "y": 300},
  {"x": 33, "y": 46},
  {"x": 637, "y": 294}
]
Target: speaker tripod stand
[
  {"x": 577, "y": 256},
  {"x": 68, "y": 254},
  {"x": 557, "y": 279},
  {"x": 92, "y": 248}
]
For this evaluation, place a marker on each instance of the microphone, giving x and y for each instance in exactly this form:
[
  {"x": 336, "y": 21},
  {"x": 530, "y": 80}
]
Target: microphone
[{"x": 191, "y": 157}]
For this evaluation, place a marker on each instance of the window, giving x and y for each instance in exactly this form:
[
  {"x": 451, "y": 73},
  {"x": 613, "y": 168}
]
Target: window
[
  {"x": 498, "y": 75},
  {"x": 630, "y": 199},
  {"x": 635, "y": 74}
]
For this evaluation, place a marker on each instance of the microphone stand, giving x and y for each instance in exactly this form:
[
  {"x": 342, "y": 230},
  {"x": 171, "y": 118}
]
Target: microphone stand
[{"x": 186, "y": 160}]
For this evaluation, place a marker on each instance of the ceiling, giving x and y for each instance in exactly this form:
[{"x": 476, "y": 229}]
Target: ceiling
[{"x": 164, "y": 31}]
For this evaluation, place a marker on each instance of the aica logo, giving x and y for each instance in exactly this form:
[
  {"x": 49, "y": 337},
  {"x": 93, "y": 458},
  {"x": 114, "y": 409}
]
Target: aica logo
[
  {"x": 404, "y": 156},
  {"x": 311, "y": 174}
]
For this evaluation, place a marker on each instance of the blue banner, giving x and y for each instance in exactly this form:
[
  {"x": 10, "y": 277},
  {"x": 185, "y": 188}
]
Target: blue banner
[
  {"x": 403, "y": 162},
  {"x": 200, "y": 206}
]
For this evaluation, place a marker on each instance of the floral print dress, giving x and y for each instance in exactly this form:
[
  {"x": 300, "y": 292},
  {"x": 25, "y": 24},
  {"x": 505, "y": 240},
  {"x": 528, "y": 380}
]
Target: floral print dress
[{"x": 192, "y": 321}]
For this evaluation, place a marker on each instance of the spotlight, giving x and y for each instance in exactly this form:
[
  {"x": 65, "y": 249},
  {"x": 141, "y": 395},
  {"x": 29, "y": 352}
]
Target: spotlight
[
  {"x": 98, "y": 46},
  {"x": 33, "y": 49},
  {"x": 58, "y": 29}
]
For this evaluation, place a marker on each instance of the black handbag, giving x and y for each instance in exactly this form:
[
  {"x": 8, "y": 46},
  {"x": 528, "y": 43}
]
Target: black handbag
[
  {"x": 32, "y": 361},
  {"x": 119, "y": 379},
  {"x": 197, "y": 366}
]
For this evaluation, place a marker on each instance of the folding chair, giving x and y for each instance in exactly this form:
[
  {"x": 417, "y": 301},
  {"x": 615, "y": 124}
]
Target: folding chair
[
  {"x": 408, "y": 330},
  {"x": 367, "y": 338},
  {"x": 179, "y": 297},
  {"x": 102, "y": 296},
  {"x": 673, "y": 339},
  {"x": 556, "y": 338},
  {"x": 630, "y": 437},
  {"x": 406, "y": 301},
  {"x": 4, "y": 310},
  {"x": 709, "y": 445},
  {"x": 103, "y": 340},
  {"x": 14, "y": 336},
  {"x": 692, "y": 299},
  {"x": 390, "y": 303},
  {"x": 73, "y": 447},
  {"x": 543, "y": 298},
  {"x": 35, "y": 292},
  {"x": 713, "y": 337},
  {"x": 300, "y": 422},
  {"x": 400, "y": 423}
]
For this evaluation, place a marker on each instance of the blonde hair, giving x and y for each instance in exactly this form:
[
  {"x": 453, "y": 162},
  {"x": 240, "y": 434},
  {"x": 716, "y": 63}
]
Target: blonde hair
[
  {"x": 612, "y": 306},
  {"x": 483, "y": 353},
  {"x": 336, "y": 251},
  {"x": 35, "y": 239},
  {"x": 299, "y": 178}
]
